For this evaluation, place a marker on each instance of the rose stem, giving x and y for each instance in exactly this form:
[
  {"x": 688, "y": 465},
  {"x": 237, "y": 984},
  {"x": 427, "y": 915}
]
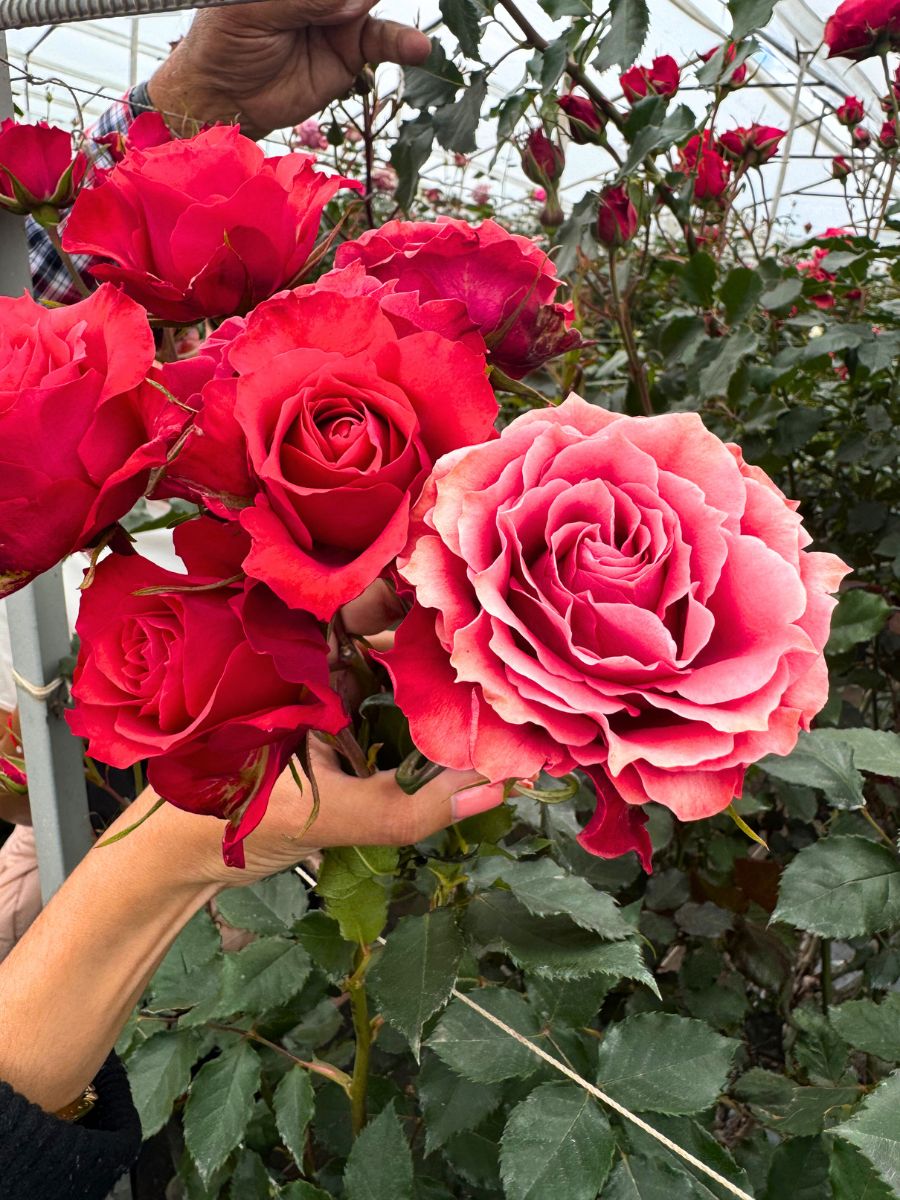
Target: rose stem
[
  {"x": 74, "y": 273},
  {"x": 362, "y": 1028},
  {"x": 638, "y": 373}
]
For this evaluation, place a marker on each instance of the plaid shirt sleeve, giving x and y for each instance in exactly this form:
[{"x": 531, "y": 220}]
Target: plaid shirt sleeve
[{"x": 49, "y": 278}]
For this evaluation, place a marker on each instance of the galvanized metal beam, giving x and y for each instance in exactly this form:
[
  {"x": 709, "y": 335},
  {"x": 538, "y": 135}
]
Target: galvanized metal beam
[{"x": 21, "y": 14}]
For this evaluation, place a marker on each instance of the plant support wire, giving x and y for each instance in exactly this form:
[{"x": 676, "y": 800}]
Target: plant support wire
[{"x": 22, "y": 14}]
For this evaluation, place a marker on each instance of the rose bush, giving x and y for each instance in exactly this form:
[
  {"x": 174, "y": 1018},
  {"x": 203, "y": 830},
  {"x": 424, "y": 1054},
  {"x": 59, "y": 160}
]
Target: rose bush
[
  {"x": 204, "y": 227},
  {"x": 507, "y": 283},
  {"x": 80, "y": 431},
  {"x": 619, "y": 594},
  {"x": 215, "y": 685},
  {"x": 320, "y": 425}
]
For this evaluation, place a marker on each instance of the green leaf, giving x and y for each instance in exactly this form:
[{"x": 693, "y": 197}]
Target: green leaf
[
  {"x": 320, "y": 936},
  {"x": 729, "y": 354},
  {"x": 859, "y": 616},
  {"x": 692, "y": 1137},
  {"x": 159, "y": 1071},
  {"x": 461, "y": 18},
  {"x": 698, "y": 279},
  {"x": 185, "y": 975},
  {"x": 821, "y": 761},
  {"x": 627, "y": 34},
  {"x": 380, "y": 1165},
  {"x": 250, "y": 1180},
  {"x": 569, "y": 1003},
  {"x": 875, "y": 1130},
  {"x": 853, "y": 1178},
  {"x": 294, "y": 1103},
  {"x": 747, "y": 15},
  {"x": 553, "y": 63},
  {"x": 263, "y": 976},
  {"x": 455, "y": 124},
  {"x": 219, "y": 1106},
  {"x": 273, "y": 905},
  {"x": 567, "y": 8},
  {"x": 799, "y": 1169},
  {"x": 874, "y": 1028},
  {"x": 640, "y": 1178},
  {"x": 450, "y": 1103},
  {"x": 353, "y": 895},
  {"x": 841, "y": 887},
  {"x": 874, "y": 750},
  {"x": 739, "y": 293},
  {"x": 475, "y": 1048},
  {"x": 436, "y": 81},
  {"x": 301, "y": 1190},
  {"x": 547, "y": 889},
  {"x": 664, "y": 1063},
  {"x": 552, "y": 946},
  {"x": 678, "y": 125},
  {"x": 416, "y": 972},
  {"x": 782, "y": 296},
  {"x": 556, "y": 1140},
  {"x": 409, "y": 154}
]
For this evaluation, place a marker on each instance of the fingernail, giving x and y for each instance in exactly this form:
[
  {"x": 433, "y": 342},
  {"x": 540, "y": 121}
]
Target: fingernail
[{"x": 474, "y": 800}]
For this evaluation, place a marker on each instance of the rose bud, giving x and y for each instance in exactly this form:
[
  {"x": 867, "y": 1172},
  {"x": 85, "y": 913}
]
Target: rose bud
[
  {"x": 840, "y": 168},
  {"x": 148, "y": 129},
  {"x": 861, "y": 137},
  {"x": 753, "y": 146},
  {"x": 662, "y": 79},
  {"x": 38, "y": 173},
  {"x": 542, "y": 161},
  {"x": 552, "y": 215},
  {"x": 309, "y": 135},
  {"x": 851, "y": 112},
  {"x": 617, "y": 218},
  {"x": 711, "y": 171},
  {"x": 860, "y": 29},
  {"x": 887, "y": 138},
  {"x": 586, "y": 124},
  {"x": 738, "y": 76}
]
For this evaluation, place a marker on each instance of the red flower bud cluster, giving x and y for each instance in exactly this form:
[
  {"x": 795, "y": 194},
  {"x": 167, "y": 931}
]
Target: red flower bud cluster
[
  {"x": 660, "y": 79},
  {"x": 710, "y": 170},
  {"x": 752, "y": 146}
]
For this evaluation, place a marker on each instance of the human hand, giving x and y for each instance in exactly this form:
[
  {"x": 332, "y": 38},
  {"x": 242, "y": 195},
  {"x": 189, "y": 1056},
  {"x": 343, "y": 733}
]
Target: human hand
[{"x": 273, "y": 64}]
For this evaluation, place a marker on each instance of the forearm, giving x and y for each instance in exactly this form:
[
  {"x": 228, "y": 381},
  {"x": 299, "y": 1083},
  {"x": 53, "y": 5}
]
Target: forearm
[{"x": 68, "y": 987}]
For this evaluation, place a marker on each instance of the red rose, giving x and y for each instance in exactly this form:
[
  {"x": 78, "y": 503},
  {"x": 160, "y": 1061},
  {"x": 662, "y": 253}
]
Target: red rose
[
  {"x": 711, "y": 171},
  {"x": 730, "y": 80},
  {"x": 662, "y": 79},
  {"x": 617, "y": 218},
  {"x": 840, "y": 168},
  {"x": 506, "y": 282},
  {"x": 586, "y": 124},
  {"x": 319, "y": 426},
  {"x": 887, "y": 137},
  {"x": 38, "y": 173},
  {"x": 851, "y": 112},
  {"x": 859, "y": 29},
  {"x": 203, "y": 227},
  {"x": 79, "y": 431},
  {"x": 145, "y": 131},
  {"x": 752, "y": 146},
  {"x": 542, "y": 160},
  {"x": 620, "y": 594},
  {"x": 861, "y": 137},
  {"x": 215, "y": 686}
]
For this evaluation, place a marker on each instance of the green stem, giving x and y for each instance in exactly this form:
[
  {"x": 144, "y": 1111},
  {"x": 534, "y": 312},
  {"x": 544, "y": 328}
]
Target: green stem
[
  {"x": 74, "y": 273},
  {"x": 638, "y": 374},
  {"x": 362, "y": 1028},
  {"x": 892, "y": 174},
  {"x": 826, "y": 974}
]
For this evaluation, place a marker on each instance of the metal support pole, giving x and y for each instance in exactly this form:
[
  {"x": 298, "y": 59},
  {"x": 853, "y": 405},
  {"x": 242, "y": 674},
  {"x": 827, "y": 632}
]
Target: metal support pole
[
  {"x": 39, "y": 632},
  {"x": 21, "y": 14}
]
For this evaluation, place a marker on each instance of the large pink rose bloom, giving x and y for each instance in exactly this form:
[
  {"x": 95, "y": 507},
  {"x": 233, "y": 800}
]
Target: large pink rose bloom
[
  {"x": 625, "y": 595},
  {"x": 507, "y": 283},
  {"x": 859, "y": 29}
]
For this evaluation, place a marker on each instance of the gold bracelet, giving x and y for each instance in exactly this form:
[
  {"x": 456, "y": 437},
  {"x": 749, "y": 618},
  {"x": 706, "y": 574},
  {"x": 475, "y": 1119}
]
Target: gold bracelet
[{"x": 80, "y": 1107}]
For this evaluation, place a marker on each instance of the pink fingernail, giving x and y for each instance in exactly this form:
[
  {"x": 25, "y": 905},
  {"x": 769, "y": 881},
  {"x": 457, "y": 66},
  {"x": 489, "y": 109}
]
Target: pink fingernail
[{"x": 474, "y": 800}]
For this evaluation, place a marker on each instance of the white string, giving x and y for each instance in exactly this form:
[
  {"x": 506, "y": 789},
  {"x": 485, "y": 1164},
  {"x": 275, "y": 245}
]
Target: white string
[
  {"x": 38, "y": 691},
  {"x": 603, "y": 1098},
  {"x": 582, "y": 1083}
]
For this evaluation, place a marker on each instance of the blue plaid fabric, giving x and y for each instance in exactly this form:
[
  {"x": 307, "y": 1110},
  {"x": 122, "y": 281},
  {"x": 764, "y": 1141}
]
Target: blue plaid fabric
[{"x": 50, "y": 279}]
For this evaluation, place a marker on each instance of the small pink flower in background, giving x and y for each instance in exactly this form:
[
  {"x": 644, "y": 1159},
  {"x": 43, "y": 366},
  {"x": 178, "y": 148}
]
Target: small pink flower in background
[
  {"x": 460, "y": 160},
  {"x": 352, "y": 135},
  {"x": 738, "y": 77},
  {"x": 481, "y": 193},
  {"x": 660, "y": 79},
  {"x": 851, "y": 112},
  {"x": 309, "y": 134},
  {"x": 617, "y": 217},
  {"x": 586, "y": 124},
  {"x": 38, "y": 172},
  {"x": 621, "y": 594},
  {"x": 188, "y": 342},
  {"x": 539, "y": 195},
  {"x": 859, "y": 29},
  {"x": 434, "y": 195},
  {"x": 840, "y": 168},
  {"x": 385, "y": 179}
]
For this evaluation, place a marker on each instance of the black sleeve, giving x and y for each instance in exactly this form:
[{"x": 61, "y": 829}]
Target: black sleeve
[{"x": 43, "y": 1158}]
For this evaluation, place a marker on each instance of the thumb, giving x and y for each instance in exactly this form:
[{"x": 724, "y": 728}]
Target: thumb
[{"x": 449, "y": 797}]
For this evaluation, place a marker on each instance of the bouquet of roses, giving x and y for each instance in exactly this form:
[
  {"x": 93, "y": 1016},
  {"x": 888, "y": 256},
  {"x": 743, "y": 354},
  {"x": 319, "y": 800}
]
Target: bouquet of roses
[{"x": 584, "y": 590}]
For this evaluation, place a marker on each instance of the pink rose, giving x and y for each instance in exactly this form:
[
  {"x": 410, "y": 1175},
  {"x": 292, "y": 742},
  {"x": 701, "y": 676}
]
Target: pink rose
[
  {"x": 507, "y": 283},
  {"x": 621, "y": 594},
  {"x": 80, "y": 431}
]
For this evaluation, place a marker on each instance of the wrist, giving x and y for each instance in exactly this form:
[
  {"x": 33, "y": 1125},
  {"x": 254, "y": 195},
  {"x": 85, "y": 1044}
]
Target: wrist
[{"x": 186, "y": 105}]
